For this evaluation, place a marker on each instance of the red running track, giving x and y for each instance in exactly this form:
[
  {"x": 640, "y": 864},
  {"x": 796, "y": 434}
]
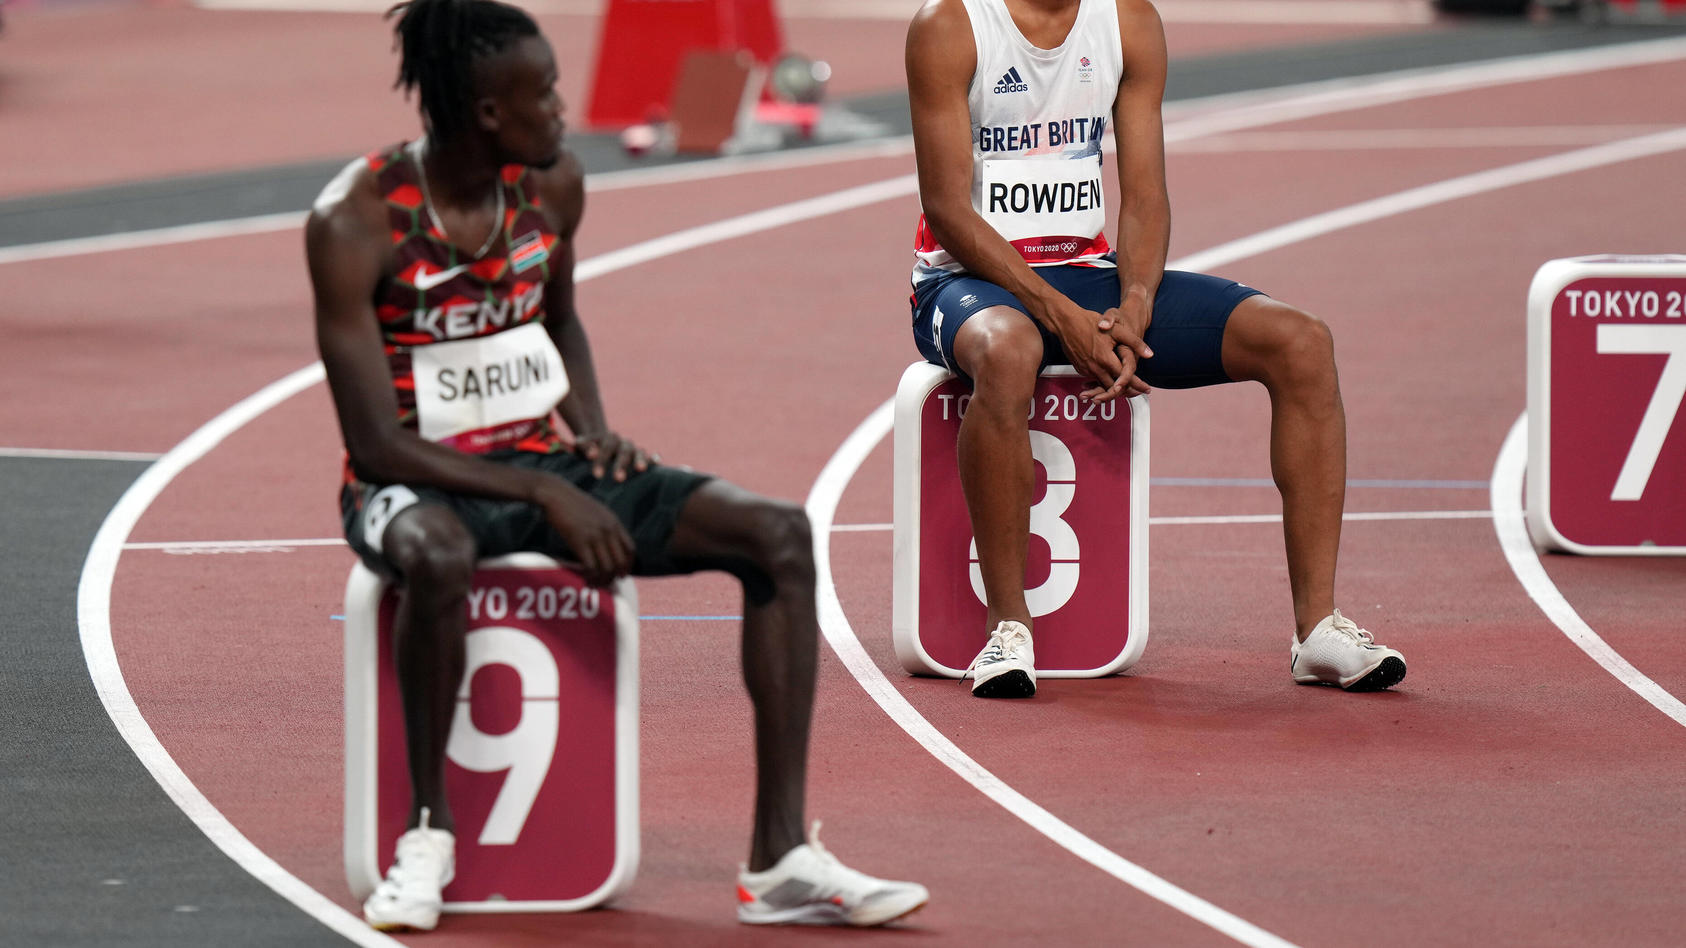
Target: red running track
[{"x": 1510, "y": 792}]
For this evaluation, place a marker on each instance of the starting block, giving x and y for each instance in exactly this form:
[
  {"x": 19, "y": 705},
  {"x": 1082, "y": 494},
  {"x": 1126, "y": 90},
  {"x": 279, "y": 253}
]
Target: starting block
[
  {"x": 1086, "y": 575},
  {"x": 542, "y": 759},
  {"x": 1607, "y": 443}
]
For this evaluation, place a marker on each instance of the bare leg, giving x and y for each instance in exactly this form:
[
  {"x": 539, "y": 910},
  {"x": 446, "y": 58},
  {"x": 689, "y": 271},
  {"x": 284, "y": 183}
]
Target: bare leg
[
  {"x": 1293, "y": 354},
  {"x": 769, "y": 546},
  {"x": 1001, "y": 350},
  {"x": 435, "y": 556}
]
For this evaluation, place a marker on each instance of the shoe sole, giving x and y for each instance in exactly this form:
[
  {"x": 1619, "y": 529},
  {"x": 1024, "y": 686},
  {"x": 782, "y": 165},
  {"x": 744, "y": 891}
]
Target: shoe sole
[
  {"x": 1388, "y": 672},
  {"x": 1384, "y": 676},
  {"x": 1008, "y": 684},
  {"x": 826, "y": 914},
  {"x": 420, "y": 922}
]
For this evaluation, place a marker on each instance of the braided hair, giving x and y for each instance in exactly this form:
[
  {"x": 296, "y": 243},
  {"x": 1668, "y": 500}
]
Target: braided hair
[{"x": 439, "y": 41}]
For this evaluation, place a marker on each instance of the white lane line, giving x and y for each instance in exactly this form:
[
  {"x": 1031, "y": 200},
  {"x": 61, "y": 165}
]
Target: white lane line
[
  {"x": 1440, "y": 192},
  {"x": 691, "y": 238},
  {"x": 231, "y": 544},
  {"x": 93, "y": 608},
  {"x": 1362, "y": 516},
  {"x": 1211, "y": 115},
  {"x": 1297, "y": 12},
  {"x": 99, "y": 570},
  {"x": 1396, "y": 139},
  {"x": 152, "y": 237},
  {"x": 1240, "y": 518},
  {"x": 1251, "y": 12},
  {"x": 827, "y": 493},
  {"x": 287, "y": 546},
  {"x": 64, "y": 454},
  {"x": 1525, "y": 562},
  {"x": 605, "y": 181},
  {"x": 1331, "y": 96},
  {"x": 94, "y": 605},
  {"x": 822, "y": 507}
]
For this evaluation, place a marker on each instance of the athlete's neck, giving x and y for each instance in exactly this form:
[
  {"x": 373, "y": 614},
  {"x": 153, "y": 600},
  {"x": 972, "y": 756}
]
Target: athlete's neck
[
  {"x": 1045, "y": 23},
  {"x": 460, "y": 175}
]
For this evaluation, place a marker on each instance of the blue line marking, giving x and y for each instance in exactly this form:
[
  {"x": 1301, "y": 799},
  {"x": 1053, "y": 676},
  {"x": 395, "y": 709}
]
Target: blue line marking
[
  {"x": 1354, "y": 482},
  {"x": 337, "y": 618}
]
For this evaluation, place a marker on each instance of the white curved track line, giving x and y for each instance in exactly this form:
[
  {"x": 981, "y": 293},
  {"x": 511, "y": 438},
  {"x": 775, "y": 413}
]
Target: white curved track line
[
  {"x": 1440, "y": 192},
  {"x": 99, "y": 570},
  {"x": 1197, "y": 118},
  {"x": 822, "y": 508},
  {"x": 1525, "y": 562},
  {"x": 93, "y": 608},
  {"x": 828, "y": 490}
]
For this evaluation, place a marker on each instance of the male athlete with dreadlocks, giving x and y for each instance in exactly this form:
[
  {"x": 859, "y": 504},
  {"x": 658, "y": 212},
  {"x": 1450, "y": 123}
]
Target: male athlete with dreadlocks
[{"x": 443, "y": 277}]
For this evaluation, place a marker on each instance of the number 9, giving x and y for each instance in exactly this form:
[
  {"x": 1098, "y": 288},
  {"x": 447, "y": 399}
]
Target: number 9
[{"x": 526, "y": 750}]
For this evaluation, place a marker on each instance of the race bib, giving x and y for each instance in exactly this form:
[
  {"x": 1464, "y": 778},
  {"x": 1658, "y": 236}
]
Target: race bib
[
  {"x": 470, "y": 390},
  {"x": 1049, "y": 209}
]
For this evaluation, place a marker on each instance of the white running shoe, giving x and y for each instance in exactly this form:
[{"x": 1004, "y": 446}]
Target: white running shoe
[
  {"x": 1338, "y": 652},
  {"x": 1006, "y": 668},
  {"x": 410, "y": 895},
  {"x": 808, "y": 886}
]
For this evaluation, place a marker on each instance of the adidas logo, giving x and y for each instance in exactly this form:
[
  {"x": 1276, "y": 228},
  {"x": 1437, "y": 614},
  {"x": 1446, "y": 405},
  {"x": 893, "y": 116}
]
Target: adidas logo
[{"x": 1011, "y": 82}]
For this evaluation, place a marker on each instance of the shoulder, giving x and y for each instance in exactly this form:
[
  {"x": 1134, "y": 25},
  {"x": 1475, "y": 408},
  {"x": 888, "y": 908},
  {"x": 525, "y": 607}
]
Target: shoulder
[
  {"x": 561, "y": 192},
  {"x": 940, "y": 42},
  {"x": 1142, "y": 36},
  {"x": 939, "y": 20},
  {"x": 349, "y": 208},
  {"x": 1139, "y": 19}
]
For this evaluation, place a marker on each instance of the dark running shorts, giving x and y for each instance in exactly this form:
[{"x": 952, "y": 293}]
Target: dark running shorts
[
  {"x": 1186, "y": 335},
  {"x": 647, "y": 504}
]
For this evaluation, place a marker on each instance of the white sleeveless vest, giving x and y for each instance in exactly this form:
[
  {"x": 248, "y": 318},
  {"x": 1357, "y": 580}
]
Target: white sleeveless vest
[{"x": 1038, "y": 119}]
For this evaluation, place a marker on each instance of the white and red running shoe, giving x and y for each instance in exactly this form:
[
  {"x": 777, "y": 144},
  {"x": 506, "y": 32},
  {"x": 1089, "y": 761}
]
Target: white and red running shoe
[{"x": 809, "y": 886}]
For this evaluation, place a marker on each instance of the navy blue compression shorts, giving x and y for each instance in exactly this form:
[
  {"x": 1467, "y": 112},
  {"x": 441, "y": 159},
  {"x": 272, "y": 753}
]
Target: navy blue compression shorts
[{"x": 1186, "y": 335}]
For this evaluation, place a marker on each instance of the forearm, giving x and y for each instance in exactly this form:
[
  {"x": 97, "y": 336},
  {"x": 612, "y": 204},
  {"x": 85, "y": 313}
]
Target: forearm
[{"x": 1144, "y": 238}]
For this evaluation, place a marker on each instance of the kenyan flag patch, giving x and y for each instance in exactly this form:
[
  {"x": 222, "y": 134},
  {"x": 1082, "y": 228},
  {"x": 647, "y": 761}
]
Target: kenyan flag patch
[{"x": 528, "y": 251}]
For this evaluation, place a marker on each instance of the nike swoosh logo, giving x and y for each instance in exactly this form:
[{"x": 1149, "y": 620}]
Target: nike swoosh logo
[{"x": 427, "y": 281}]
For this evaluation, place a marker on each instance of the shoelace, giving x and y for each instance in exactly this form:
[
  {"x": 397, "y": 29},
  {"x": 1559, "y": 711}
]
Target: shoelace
[
  {"x": 1350, "y": 629},
  {"x": 844, "y": 877},
  {"x": 418, "y": 859},
  {"x": 997, "y": 649}
]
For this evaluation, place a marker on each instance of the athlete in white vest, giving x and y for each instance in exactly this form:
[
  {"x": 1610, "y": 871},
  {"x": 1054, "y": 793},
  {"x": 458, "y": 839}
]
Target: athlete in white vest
[{"x": 1011, "y": 101}]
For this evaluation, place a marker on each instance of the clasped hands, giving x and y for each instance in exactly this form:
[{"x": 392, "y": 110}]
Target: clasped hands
[{"x": 1107, "y": 351}]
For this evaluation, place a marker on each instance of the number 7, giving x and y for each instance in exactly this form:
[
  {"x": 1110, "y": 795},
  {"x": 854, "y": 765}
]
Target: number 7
[{"x": 1665, "y": 401}]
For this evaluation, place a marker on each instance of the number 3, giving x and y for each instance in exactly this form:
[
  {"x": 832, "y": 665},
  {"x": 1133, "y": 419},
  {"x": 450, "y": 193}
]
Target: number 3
[
  {"x": 526, "y": 750},
  {"x": 1046, "y": 521}
]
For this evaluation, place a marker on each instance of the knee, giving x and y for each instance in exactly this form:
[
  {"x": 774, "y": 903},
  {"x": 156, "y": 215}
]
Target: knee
[
  {"x": 1003, "y": 357},
  {"x": 1295, "y": 349},
  {"x": 436, "y": 563},
  {"x": 784, "y": 544}
]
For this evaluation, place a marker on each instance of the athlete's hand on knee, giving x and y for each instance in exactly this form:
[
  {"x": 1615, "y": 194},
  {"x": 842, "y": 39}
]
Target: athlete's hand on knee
[
  {"x": 611, "y": 454},
  {"x": 1090, "y": 351},
  {"x": 596, "y": 537}
]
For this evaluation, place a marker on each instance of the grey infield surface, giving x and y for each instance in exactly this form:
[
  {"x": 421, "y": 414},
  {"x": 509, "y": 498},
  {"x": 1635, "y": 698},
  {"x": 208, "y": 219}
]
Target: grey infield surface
[{"x": 92, "y": 853}]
